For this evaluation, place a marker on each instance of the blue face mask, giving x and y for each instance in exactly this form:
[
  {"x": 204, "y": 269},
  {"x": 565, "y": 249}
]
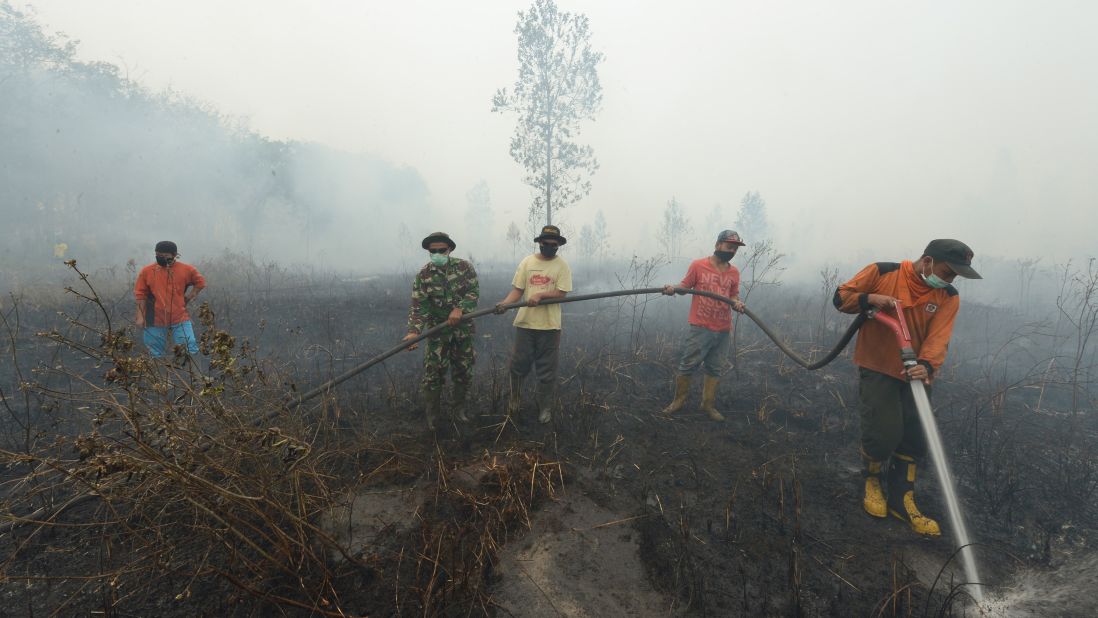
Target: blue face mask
[
  {"x": 439, "y": 259},
  {"x": 933, "y": 280}
]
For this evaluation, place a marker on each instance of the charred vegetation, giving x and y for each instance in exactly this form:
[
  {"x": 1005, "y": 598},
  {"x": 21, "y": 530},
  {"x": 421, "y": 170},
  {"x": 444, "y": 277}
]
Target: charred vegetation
[{"x": 138, "y": 487}]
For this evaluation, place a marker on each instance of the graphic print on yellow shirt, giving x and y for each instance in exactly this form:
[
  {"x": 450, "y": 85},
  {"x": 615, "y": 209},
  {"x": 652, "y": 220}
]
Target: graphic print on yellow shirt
[{"x": 536, "y": 275}]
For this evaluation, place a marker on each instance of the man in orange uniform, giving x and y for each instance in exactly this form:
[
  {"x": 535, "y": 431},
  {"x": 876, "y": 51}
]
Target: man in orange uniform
[
  {"x": 710, "y": 322},
  {"x": 890, "y": 421},
  {"x": 163, "y": 291}
]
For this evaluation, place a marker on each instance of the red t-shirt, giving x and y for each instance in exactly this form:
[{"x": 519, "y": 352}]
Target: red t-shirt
[{"x": 709, "y": 312}]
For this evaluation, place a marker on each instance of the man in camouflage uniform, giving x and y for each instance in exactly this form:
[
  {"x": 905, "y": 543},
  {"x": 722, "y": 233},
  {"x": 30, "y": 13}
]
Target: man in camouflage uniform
[{"x": 444, "y": 290}]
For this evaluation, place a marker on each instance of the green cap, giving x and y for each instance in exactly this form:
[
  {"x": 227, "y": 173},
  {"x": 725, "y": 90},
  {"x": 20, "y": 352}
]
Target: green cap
[
  {"x": 955, "y": 253},
  {"x": 438, "y": 237}
]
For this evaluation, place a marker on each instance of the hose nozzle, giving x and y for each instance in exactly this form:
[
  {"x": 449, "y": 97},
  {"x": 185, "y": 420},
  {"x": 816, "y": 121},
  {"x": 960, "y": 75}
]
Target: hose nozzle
[{"x": 898, "y": 325}]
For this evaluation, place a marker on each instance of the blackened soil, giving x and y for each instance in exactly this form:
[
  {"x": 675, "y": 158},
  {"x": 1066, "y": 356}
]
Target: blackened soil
[{"x": 759, "y": 515}]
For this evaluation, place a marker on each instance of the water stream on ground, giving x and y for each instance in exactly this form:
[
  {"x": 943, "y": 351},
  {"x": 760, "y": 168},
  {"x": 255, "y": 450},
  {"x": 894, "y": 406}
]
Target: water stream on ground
[
  {"x": 1067, "y": 590},
  {"x": 953, "y": 505}
]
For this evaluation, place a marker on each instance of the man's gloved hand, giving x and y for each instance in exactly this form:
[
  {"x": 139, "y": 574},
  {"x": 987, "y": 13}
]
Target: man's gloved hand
[{"x": 499, "y": 309}]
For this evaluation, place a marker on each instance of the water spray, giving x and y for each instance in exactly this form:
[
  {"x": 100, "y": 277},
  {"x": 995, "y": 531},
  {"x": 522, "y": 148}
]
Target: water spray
[{"x": 898, "y": 325}]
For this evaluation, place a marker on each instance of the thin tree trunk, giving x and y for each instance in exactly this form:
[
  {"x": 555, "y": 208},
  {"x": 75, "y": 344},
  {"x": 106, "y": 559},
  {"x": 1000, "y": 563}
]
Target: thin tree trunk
[{"x": 548, "y": 175}]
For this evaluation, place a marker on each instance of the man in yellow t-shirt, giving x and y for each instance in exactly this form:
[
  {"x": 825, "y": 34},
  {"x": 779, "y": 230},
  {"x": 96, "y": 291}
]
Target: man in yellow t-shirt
[{"x": 537, "y": 327}]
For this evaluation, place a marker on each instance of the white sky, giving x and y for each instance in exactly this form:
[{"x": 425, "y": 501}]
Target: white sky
[{"x": 868, "y": 126}]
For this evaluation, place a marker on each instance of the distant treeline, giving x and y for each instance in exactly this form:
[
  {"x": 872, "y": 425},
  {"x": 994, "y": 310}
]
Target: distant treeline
[{"x": 94, "y": 165}]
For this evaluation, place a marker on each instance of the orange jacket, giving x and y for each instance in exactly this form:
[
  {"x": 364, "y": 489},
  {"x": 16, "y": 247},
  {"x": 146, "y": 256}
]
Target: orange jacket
[
  {"x": 929, "y": 312},
  {"x": 162, "y": 288}
]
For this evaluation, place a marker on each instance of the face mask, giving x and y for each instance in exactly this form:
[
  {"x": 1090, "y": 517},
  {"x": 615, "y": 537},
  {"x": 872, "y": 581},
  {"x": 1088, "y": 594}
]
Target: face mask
[
  {"x": 439, "y": 259},
  {"x": 163, "y": 261},
  {"x": 725, "y": 256},
  {"x": 549, "y": 250},
  {"x": 933, "y": 280}
]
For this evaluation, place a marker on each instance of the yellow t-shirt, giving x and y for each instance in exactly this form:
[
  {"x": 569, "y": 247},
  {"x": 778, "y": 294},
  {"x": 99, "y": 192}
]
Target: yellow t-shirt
[{"x": 536, "y": 275}]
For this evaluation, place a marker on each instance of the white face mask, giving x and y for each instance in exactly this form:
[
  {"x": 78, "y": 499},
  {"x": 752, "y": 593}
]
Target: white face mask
[
  {"x": 933, "y": 280},
  {"x": 439, "y": 259}
]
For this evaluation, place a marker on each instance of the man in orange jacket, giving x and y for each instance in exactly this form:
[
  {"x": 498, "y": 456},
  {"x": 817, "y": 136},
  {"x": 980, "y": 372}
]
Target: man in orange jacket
[
  {"x": 162, "y": 292},
  {"x": 890, "y": 421}
]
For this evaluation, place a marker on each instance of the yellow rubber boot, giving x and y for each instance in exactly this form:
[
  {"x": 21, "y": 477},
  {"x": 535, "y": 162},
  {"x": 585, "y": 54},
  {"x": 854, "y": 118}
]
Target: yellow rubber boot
[
  {"x": 874, "y": 502},
  {"x": 709, "y": 398},
  {"x": 901, "y": 496},
  {"x": 682, "y": 387}
]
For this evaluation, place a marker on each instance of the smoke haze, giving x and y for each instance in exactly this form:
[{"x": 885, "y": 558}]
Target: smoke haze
[{"x": 342, "y": 135}]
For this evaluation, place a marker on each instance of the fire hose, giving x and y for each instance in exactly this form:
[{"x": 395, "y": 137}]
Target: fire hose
[
  {"x": 295, "y": 401},
  {"x": 898, "y": 325}
]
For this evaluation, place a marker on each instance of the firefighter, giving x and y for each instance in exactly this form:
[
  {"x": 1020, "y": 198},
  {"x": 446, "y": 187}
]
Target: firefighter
[{"x": 891, "y": 432}]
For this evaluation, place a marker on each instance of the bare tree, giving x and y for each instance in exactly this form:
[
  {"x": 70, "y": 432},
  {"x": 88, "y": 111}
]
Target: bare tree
[
  {"x": 404, "y": 237},
  {"x": 479, "y": 216},
  {"x": 829, "y": 282},
  {"x": 751, "y": 222},
  {"x": 557, "y": 87},
  {"x": 514, "y": 236},
  {"x": 674, "y": 229},
  {"x": 762, "y": 269},
  {"x": 602, "y": 236},
  {"x": 715, "y": 221},
  {"x": 1077, "y": 303},
  {"x": 1027, "y": 269},
  {"x": 587, "y": 242}
]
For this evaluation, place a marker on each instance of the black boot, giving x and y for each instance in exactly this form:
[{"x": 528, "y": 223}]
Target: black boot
[{"x": 901, "y": 496}]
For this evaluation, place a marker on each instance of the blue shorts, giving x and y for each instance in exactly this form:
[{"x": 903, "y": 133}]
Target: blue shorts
[{"x": 182, "y": 334}]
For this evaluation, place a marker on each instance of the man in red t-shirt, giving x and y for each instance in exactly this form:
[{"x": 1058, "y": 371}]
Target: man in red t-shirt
[{"x": 710, "y": 321}]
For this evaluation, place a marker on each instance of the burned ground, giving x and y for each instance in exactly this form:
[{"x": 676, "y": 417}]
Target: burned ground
[{"x": 611, "y": 509}]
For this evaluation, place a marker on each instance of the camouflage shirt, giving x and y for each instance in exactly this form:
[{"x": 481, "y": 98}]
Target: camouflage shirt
[{"x": 439, "y": 289}]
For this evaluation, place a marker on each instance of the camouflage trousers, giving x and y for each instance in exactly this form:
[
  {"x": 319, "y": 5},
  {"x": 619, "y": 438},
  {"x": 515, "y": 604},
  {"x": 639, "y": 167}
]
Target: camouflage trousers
[{"x": 453, "y": 350}]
